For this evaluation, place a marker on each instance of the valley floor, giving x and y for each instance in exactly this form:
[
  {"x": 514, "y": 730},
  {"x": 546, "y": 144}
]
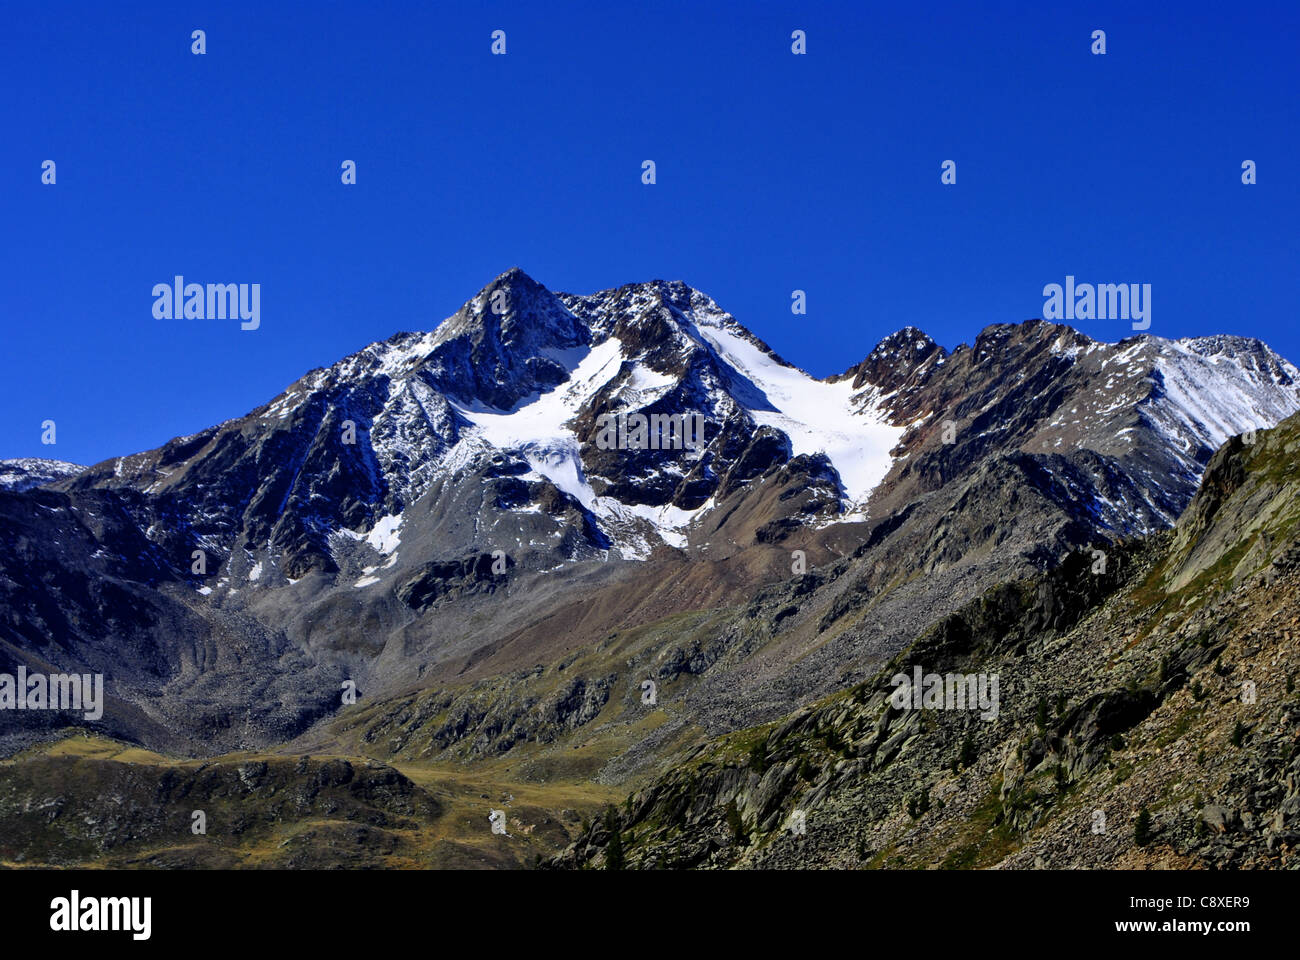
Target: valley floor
[{"x": 90, "y": 802}]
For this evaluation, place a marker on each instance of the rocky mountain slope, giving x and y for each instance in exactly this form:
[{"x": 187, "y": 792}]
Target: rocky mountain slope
[
  {"x": 435, "y": 520},
  {"x": 1147, "y": 716}
]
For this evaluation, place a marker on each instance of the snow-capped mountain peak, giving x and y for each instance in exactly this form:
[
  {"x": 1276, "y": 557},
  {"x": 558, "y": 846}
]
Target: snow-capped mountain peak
[
  {"x": 27, "y": 472},
  {"x": 486, "y": 433}
]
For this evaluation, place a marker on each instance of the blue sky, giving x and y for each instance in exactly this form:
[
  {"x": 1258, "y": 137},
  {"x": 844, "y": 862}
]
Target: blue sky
[{"x": 775, "y": 172}]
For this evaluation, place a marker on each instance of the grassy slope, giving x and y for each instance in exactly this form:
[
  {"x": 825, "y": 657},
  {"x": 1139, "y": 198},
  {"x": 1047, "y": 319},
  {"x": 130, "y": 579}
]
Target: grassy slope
[{"x": 87, "y": 801}]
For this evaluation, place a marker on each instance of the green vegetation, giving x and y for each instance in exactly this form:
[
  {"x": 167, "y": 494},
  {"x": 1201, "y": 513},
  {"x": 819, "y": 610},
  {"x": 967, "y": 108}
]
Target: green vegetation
[
  {"x": 985, "y": 837},
  {"x": 918, "y": 803},
  {"x": 1142, "y": 828},
  {"x": 737, "y": 824},
  {"x": 268, "y": 810},
  {"x": 968, "y": 753},
  {"x": 614, "y": 851}
]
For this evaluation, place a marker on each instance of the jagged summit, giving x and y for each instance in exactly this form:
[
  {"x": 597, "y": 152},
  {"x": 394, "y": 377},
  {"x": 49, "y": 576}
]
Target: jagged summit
[
  {"x": 906, "y": 353},
  {"x": 507, "y": 395}
]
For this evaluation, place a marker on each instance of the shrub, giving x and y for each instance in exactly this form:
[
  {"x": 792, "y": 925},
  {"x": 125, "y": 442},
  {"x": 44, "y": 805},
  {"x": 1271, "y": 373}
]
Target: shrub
[
  {"x": 613, "y": 852},
  {"x": 968, "y": 753},
  {"x": 1238, "y": 733},
  {"x": 806, "y": 770},
  {"x": 736, "y": 822},
  {"x": 1142, "y": 828},
  {"x": 918, "y": 803}
]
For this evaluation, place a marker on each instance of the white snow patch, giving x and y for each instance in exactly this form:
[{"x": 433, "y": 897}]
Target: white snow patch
[
  {"x": 818, "y": 417},
  {"x": 383, "y": 536},
  {"x": 1212, "y": 398},
  {"x": 537, "y": 430}
]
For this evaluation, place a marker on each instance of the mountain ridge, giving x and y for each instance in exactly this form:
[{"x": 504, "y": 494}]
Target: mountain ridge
[
  {"x": 267, "y": 553},
  {"x": 403, "y": 356}
]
